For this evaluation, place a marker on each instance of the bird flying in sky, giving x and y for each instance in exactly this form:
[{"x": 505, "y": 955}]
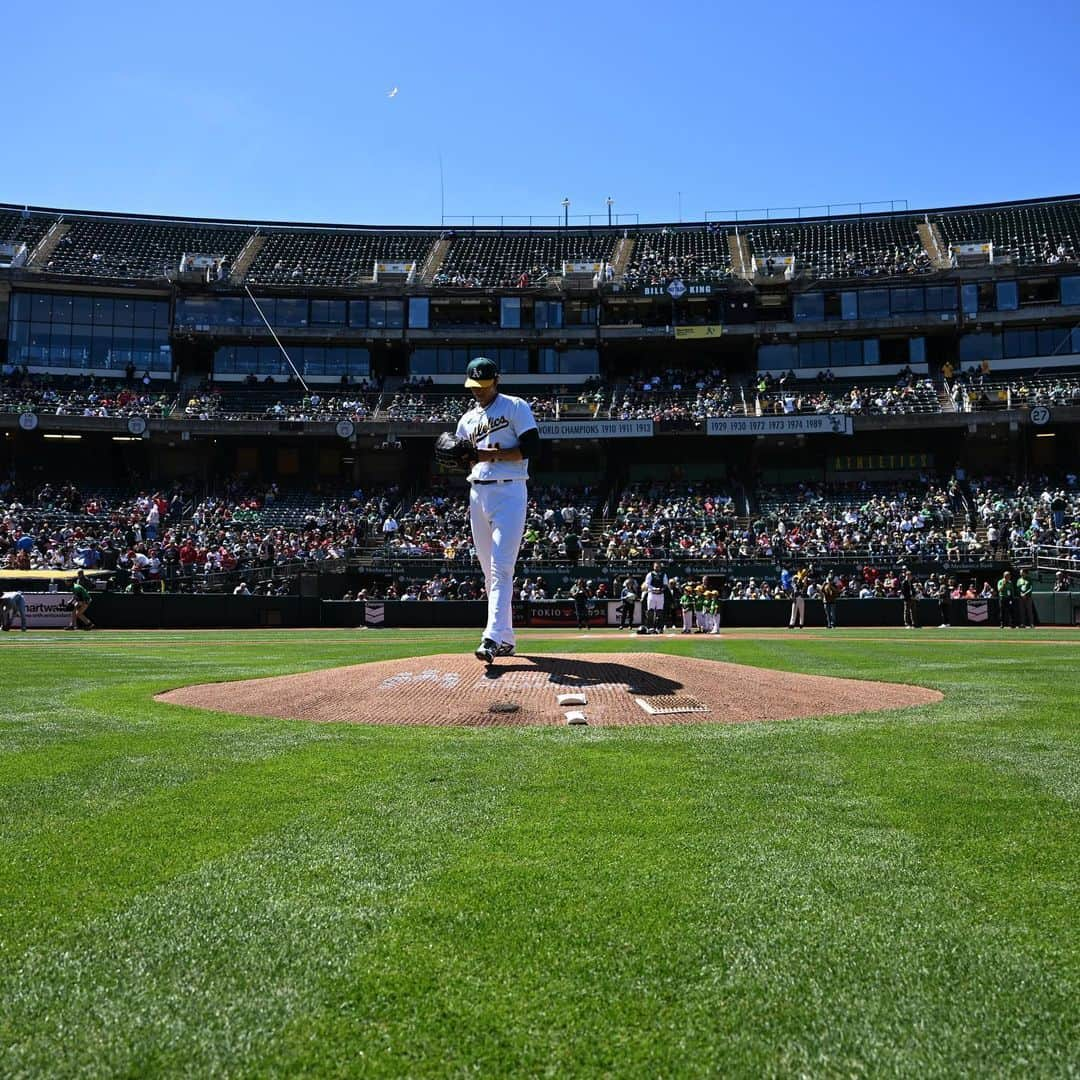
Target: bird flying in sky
[{"x": 392, "y": 93}]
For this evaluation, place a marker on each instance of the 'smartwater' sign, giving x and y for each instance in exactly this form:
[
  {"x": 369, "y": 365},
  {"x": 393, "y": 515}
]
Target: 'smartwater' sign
[
  {"x": 46, "y": 610},
  {"x": 830, "y": 424},
  {"x": 595, "y": 429}
]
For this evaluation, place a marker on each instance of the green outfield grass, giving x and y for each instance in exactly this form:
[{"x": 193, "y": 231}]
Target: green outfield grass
[{"x": 193, "y": 893}]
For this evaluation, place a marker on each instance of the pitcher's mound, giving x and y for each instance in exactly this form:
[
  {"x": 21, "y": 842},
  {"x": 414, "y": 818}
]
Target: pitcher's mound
[{"x": 619, "y": 689}]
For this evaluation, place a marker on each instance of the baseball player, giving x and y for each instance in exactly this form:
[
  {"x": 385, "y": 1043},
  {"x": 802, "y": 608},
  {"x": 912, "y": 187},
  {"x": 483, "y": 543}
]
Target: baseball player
[
  {"x": 705, "y": 615},
  {"x": 654, "y": 588},
  {"x": 504, "y": 435},
  {"x": 688, "y": 602},
  {"x": 12, "y": 603}
]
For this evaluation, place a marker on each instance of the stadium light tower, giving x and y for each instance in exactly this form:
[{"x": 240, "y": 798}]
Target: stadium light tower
[
  {"x": 610, "y": 204},
  {"x": 566, "y": 212}
]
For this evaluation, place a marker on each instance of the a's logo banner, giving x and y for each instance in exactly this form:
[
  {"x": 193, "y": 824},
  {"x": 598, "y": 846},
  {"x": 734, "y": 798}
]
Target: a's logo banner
[{"x": 690, "y": 333}]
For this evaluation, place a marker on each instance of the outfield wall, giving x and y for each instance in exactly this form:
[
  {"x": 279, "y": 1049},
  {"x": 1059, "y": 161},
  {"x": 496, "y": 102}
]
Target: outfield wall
[{"x": 173, "y": 611}]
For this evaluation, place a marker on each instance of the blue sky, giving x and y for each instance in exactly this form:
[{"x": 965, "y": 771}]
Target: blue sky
[{"x": 280, "y": 111}]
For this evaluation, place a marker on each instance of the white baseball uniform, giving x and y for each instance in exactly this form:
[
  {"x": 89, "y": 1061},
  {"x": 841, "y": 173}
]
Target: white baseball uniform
[{"x": 497, "y": 503}]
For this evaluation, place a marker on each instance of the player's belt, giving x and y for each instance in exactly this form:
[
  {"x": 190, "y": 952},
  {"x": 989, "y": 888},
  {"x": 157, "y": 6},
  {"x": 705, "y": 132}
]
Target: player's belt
[{"x": 508, "y": 480}]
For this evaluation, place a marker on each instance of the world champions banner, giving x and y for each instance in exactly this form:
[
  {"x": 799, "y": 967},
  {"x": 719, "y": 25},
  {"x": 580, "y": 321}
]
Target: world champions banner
[{"x": 595, "y": 429}]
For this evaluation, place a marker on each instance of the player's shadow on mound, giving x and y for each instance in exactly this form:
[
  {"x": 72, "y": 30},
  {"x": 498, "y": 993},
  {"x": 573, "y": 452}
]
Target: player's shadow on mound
[{"x": 576, "y": 674}]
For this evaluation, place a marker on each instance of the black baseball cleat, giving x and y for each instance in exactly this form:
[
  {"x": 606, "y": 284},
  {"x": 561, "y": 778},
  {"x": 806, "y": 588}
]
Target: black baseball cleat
[
  {"x": 505, "y": 649},
  {"x": 486, "y": 650}
]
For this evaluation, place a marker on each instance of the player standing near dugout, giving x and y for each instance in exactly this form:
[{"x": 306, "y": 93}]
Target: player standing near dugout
[{"x": 504, "y": 435}]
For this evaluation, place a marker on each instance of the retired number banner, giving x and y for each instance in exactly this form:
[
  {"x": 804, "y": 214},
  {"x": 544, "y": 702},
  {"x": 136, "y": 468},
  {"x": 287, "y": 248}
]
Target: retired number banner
[{"x": 828, "y": 424}]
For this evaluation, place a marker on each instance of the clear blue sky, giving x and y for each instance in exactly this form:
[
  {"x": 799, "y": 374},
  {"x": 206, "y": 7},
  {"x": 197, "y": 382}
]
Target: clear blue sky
[{"x": 280, "y": 111}]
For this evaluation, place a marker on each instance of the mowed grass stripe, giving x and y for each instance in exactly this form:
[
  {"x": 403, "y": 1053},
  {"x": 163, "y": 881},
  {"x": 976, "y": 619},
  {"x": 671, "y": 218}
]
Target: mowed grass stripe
[{"x": 726, "y": 925}]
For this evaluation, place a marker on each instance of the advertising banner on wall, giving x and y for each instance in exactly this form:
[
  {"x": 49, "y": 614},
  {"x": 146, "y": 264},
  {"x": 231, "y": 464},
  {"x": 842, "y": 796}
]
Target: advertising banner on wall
[
  {"x": 696, "y": 333},
  {"x": 555, "y": 613},
  {"x": 46, "y": 611}
]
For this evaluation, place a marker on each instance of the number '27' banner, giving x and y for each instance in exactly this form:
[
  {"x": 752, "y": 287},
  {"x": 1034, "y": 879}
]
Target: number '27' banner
[{"x": 826, "y": 424}]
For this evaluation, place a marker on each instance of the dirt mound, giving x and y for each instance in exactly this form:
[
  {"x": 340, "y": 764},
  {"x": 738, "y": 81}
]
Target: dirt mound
[{"x": 453, "y": 690}]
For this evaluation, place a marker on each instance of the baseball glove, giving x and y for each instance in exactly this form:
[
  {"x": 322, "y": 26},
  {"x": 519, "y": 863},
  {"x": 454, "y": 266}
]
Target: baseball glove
[{"x": 454, "y": 454}]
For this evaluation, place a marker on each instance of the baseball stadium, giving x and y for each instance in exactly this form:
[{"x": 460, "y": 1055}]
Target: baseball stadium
[{"x": 811, "y": 812}]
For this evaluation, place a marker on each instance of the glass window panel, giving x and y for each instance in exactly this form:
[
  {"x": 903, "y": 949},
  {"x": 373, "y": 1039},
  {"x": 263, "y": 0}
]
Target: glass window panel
[
  {"x": 813, "y": 354},
  {"x": 905, "y": 301},
  {"x": 81, "y": 335},
  {"x": 61, "y": 309},
  {"x": 580, "y": 362},
  {"x": 424, "y": 362},
  {"x": 917, "y": 350},
  {"x": 1020, "y": 343},
  {"x": 1008, "y": 296},
  {"x": 870, "y": 350},
  {"x": 849, "y": 305},
  {"x": 874, "y": 304},
  {"x": 328, "y": 312},
  {"x": 1070, "y": 290},
  {"x": 291, "y": 313},
  {"x": 251, "y": 314},
  {"x": 358, "y": 313},
  {"x": 1051, "y": 339},
  {"x": 549, "y": 362},
  {"x": 513, "y": 361},
  {"x": 776, "y": 357},
  {"x": 419, "y": 309},
  {"x": 41, "y": 307},
  {"x": 395, "y": 314},
  {"x": 82, "y": 309},
  {"x": 124, "y": 313},
  {"x": 19, "y": 333},
  {"x": 969, "y": 299},
  {"x": 940, "y": 298},
  {"x": 1074, "y": 345},
  {"x": 510, "y": 312},
  {"x": 230, "y": 311},
  {"x": 99, "y": 350},
  {"x": 103, "y": 311},
  {"x": 145, "y": 312},
  {"x": 21, "y": 305},
  {"x": 809, "y": 307}
]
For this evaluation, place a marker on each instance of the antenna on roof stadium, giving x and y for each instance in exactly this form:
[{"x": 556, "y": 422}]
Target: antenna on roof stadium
[{"x": 277, "y": 340}]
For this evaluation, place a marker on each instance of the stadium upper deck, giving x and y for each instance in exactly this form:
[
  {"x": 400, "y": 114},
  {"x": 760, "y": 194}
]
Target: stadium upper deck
[{"x": 134, "y": 247}]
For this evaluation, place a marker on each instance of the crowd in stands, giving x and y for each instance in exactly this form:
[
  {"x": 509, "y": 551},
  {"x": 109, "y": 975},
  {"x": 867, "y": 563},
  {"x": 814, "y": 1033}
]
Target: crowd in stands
[
  {"x": 1018, "y": 519},
  {"x": 786, "y": 396},
  {"x": 921, "y": 521},
  {"x": 690, "y": 255},
  {"x": 158, "y": 538},
  {"x": 57, "y": 395},
  {"x": 972, "y": 391}
]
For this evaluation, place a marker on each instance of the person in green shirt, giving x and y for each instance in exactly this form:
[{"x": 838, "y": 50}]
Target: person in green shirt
[
  {"x": 1025, "y": 602},
  {"x": 1006, "y": 589},
  {"x": 686, "y": 602},
  {"x": 82, "y": 599}
]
